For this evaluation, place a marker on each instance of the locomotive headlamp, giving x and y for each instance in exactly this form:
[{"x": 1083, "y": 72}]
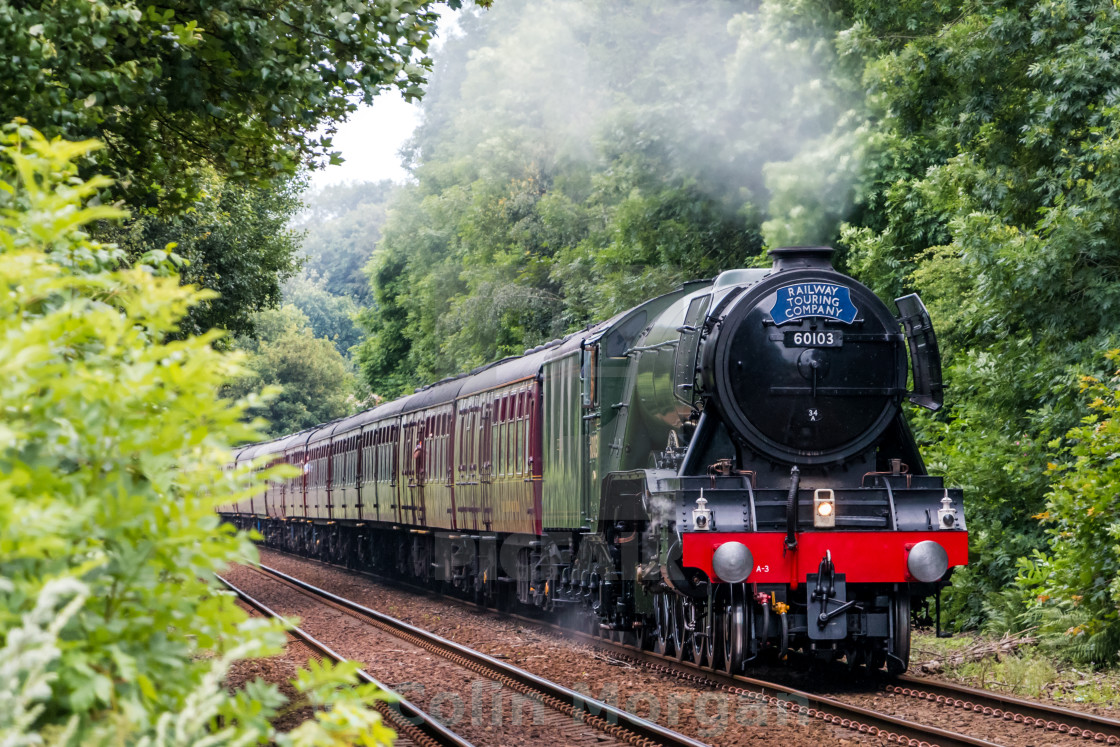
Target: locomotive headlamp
[
  {"x": 824, "y": 508},
  {"x": 928, "y": 561},
  {"x": 702, "y": 515},
  {"x": 732, "y": 562},
  {"x": 946, "y": 515}
]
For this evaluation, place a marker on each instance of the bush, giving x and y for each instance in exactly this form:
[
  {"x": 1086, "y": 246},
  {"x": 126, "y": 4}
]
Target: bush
[
  {"x": 112, "y": 453},
  {"x": 1077, "y": 585},
  {"x": 315, "y": 382}
]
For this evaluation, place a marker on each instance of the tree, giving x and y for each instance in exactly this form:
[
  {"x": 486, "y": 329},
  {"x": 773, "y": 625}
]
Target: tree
[
  {"x": 208, "y": 111},
  {"x": 252, "y": 90},
  {"x": 342, "y": 225},
  {"x": 114, "y": 447},
  {"x": 236, "y": 242},
  {"x": 992, "y": 188},
  {"x": 612, "y": 162},
  {"x": 331, "y": 317},
  {"x": 317, "y": 386}
]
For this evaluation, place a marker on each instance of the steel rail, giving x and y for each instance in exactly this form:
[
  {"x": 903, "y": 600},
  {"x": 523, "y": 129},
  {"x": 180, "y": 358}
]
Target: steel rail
[
  {"x": 408, "y": 719},
  {"x": 834, "y": 711},
  {"x": 554, "y": 694},
  {"x": 1010, "y": 708},
  {"x": 830, "y": 710}
]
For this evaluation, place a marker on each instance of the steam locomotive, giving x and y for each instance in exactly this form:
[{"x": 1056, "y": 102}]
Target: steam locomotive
[{"x": 722, "y": 474}]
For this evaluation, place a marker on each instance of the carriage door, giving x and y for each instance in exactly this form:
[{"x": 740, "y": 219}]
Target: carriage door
[
  {"x": 466, "y": 489},
  {"x": 486, "y": 465},
  {"x": 415, "y": 448},
  {"x": 281, "y": 495},
  {"x": 328, "y": 471},
  {"x": 589, "y": 379},
  {"x": 360, "y": 477}
]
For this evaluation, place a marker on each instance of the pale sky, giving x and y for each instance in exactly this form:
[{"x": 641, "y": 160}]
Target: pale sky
[
  {"x": 369, "y": 142},
  {"x": 370, "y": 138}
]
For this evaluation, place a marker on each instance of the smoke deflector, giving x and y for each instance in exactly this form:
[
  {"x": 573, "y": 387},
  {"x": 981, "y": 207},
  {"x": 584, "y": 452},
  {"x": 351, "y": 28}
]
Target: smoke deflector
[{"x": 925, "y": 357}]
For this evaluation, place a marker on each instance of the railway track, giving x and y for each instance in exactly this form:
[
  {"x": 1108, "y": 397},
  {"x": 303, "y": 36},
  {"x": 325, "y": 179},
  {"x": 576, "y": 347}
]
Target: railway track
[
  {"x": 864, "y": 721},
  {"x": 576, "y": 711},
  {"x": 1014, "y": 711},
  {"x": 1086, "y": 726},
  {"x": 1017, "y": 712},
  {"x": 781, "y": 698},
  {"x": 410, "y": 722}
]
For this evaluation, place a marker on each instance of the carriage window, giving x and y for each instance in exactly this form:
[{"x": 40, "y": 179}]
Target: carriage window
[
  {"x": 410, "y": 448},
  {"x": 515, "y": 438},
  {"x": 469, "y": 458},
  {"x": 525, "y": 435},
  {"x": 507, "y": 437},
  {"x": 517, "y": 457},
  {"x": 462, "y": 439},
  {"x": 499, "y": 461},
  {"x": 372, "y": 458},
  {"x": 433, "y": 457},
  {"x": 496, "y": 436},
  {"x": 506, "y": 426},
  {"x": 394, "y": 457}
]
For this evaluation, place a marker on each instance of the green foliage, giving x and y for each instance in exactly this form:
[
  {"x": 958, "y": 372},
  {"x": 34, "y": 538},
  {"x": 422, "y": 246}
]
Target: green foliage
[
  {"x": 315, "y": 382},
  {"x": 576, "y": 159},
  {"x": 1078, "y": 581},
  {"x": 331, "y": 317},
  {"x": 342, "y": 224},
  {"x": 1028, "y": 670},
  {"x": 236, "y": 242},
  {"x": 1023, "y": 675},
  {"x": 252, "y": 90},
  {"x": 991, "y": 188},
  {"x": 113, "y": 444}
]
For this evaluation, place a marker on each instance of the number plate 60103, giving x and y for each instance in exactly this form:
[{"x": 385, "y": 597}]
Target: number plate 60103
[{"x": 830, "y": 338}]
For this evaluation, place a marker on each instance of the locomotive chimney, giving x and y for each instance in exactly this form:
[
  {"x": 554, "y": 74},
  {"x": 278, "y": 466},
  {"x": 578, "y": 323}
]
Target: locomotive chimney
[{"x": 802, "y": 257}]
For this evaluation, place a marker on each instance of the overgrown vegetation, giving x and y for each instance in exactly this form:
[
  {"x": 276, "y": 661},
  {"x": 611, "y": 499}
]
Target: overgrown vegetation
[
  {"x": 997, "y": 200},
  {"x": 235, "y": 240},
  {"x": 1034, "y": 671},
  {"x": 253, "y": 91},
  {"x": 113, "y": 448},
  {"x": 611, "y": 162},
  {"x": 118, "y": 256},
  {"x": 341, "y": 224},
  {"x": 209, "y": 113},
  {"x": 1076, "y": 585},
  {"x": 315, "y": 382}
]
